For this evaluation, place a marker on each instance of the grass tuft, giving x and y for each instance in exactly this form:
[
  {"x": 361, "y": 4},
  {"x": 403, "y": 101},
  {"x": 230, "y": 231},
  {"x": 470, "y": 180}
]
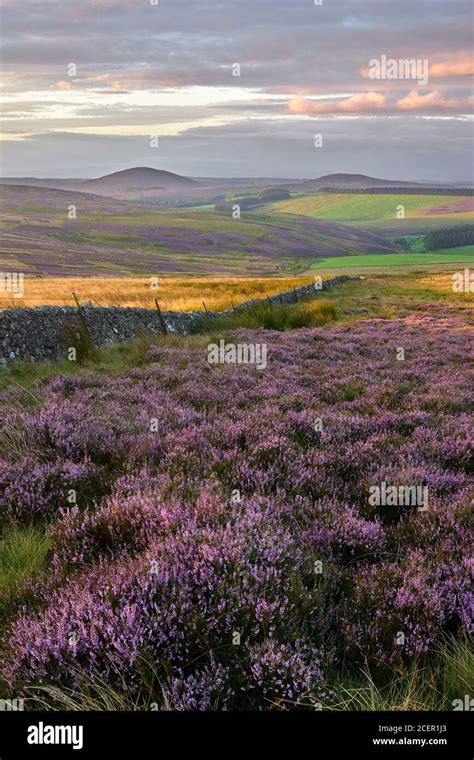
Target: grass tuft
[
  {"x": 420, "y": 687},
  {"x": 23, "y": 553},
  {"x": 269, "y": 317}
]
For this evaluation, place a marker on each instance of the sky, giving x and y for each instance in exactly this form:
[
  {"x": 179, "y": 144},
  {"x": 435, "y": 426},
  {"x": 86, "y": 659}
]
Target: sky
[{"x": 237, "y": 88}]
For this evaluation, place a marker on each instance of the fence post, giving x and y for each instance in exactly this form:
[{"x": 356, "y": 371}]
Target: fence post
[
  {"x": 205, "y": 309},
  {"x": 160, "y": 315},
  {"x": 80, "y": 311},
  {"x": 79, "y": 307}
]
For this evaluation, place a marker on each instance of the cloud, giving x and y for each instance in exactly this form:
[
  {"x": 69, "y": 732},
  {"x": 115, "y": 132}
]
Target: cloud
[
  {"x": 109, "y": 79},
  {"x": 61, "y": 85},
  {"x": 135, "y": 80},
  {"x": 457, "y": 68},
  {"x": 433, "y": 101},
  {"x": 398, "y": 148},
  {"x": 139, "y": 65},
  {"x": 367, "y": 102}
]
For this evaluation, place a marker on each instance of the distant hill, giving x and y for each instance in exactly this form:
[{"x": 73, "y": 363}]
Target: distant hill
[
  {"x": 138, "y": 178},
  {"x": 167, "y": 189},
  {"x": 353, "y": 181}
]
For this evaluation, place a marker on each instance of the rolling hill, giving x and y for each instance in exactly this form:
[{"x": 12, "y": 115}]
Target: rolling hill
[
  {"x": 124, "y": 184},
  {"x": 165, "y": 189},
  {"x": 137, "y": 178},
  {"x": 379, "y": 210},
  {"x": 358, "y": 181},
  {"x": 111, "y": 237}
]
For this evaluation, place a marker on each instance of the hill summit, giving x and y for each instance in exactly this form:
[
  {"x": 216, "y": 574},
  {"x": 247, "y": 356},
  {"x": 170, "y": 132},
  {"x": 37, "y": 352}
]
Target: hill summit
[
  {"x": 135, "y": 179},
  {"x": 355, "y": 181}
]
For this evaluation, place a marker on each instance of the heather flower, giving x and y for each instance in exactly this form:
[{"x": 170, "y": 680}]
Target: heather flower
[
  {"x": 31, "y": 489},
  {"x": 285, "y": 675}
]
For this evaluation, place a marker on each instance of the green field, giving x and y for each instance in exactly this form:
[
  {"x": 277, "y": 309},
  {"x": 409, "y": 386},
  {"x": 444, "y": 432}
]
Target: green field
[
  {"x": 451, "y": 256},
  {"x": 342, "y": 207}
]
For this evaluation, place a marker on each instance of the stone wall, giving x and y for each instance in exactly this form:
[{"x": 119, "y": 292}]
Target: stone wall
[
  {"x": 41, "y": 333},
  {"x": 292, "y": 296}
]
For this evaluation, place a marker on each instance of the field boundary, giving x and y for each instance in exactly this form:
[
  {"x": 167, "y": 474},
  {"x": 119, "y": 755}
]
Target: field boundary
[{"x": 47, "y": 332}]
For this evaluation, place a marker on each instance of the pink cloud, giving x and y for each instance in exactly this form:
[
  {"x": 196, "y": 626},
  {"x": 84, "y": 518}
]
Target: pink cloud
[
  {"x": 375, "y": 102},
  {"x": 366, "y": 102},
  {"x": 462, "y": 67},
  {"x": 115, "y": 84},
  {"x": 433, "y": 100},
  {"x": 61, "y": 85}
]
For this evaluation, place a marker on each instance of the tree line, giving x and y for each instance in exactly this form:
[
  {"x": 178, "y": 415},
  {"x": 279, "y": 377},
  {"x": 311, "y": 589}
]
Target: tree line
[{"x": 450, "y": 237}]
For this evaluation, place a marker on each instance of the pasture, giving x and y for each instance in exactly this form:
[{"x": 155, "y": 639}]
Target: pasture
[
  {"x": 452, "y": 257},
  {"x": 353, "y": 208}
]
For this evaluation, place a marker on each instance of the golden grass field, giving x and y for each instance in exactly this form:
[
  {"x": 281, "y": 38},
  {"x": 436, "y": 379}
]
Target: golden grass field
[
  {"x": 380, "y": 292},
  {"x": 177, "y": 294}
]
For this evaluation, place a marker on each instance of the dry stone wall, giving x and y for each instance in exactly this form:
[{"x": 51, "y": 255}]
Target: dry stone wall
[{"x": 40, "y": 333}]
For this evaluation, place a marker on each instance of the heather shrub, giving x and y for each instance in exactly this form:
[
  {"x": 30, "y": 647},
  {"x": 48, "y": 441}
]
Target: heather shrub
[
  {"x": 347, "y": 535},
  {"x": 183, "y": 598},
  {"x": 205, "y": 689},
  {"x": 400, "y": 610},
  {"x": 32, "y": 490},
  {"x": 128, "y": 521},
  {"x": 286, "y": 675},
  {"x": 224, "y": 552}
]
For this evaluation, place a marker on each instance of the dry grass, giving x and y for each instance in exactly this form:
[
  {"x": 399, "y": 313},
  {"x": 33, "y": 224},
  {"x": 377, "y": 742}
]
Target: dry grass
[
  {"x": 432, "y": 687},
  {"x": 177, "y": 294},
  {"x": 443, "y": 282}
]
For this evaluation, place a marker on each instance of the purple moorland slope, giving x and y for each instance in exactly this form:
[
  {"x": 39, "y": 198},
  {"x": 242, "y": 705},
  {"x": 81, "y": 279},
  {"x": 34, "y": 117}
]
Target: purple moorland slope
[{"x": 59, "y": 232}]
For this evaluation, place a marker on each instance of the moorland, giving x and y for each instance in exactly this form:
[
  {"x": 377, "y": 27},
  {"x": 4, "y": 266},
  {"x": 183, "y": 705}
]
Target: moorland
[{"x": 181, "y": 535}]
